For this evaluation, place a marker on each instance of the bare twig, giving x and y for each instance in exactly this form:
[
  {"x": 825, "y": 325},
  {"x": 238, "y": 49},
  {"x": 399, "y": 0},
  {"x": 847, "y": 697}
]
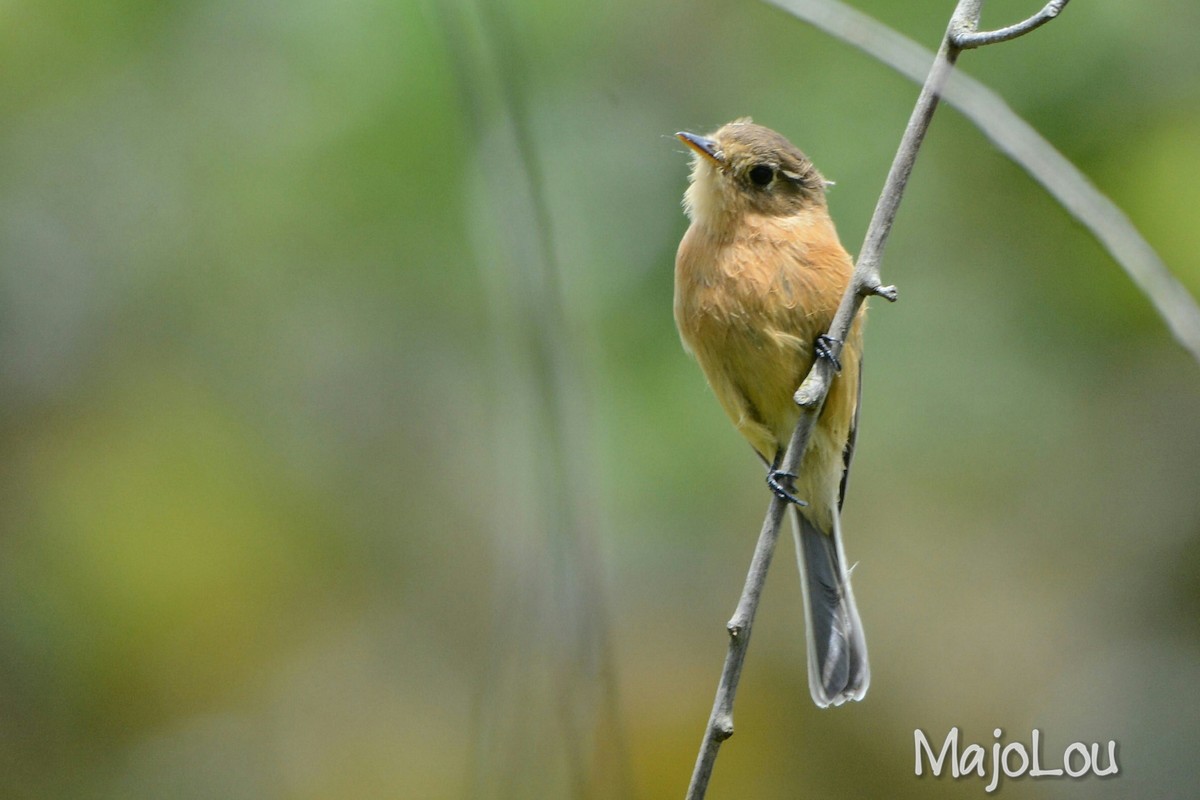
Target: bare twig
[
  {"x": 813, "y": 391},
  {"x": 720, "y": 722},
  {"x": 970, "y": 39}
]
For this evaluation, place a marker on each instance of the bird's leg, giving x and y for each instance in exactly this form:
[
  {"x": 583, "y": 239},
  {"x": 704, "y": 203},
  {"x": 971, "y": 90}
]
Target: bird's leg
[
  {"x": 823, "y": 348},
  {"x": 780, "y": 483}
]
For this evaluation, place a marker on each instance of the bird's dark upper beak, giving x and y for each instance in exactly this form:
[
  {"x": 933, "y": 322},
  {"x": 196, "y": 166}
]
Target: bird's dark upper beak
[{"x": 704, "y": 146}]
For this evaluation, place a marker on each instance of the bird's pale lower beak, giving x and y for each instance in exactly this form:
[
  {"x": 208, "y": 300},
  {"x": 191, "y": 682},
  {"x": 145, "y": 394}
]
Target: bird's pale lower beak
[{"x": 704, "y": 146}]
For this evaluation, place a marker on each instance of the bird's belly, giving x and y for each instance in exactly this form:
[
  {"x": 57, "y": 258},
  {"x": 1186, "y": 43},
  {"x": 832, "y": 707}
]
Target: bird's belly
[{"x": 754, "y": 371}]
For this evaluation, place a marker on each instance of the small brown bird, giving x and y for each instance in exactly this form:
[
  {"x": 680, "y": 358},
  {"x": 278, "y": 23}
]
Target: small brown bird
[{"x": 758, "y": 277}]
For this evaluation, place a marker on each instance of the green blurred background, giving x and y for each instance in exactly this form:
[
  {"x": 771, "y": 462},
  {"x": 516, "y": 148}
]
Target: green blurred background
[{"x": 350, "y": 452}]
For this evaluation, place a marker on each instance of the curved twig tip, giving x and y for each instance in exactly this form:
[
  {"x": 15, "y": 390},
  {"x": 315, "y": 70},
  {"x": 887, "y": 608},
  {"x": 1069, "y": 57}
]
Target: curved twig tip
[{"x": 966, "y": 39}]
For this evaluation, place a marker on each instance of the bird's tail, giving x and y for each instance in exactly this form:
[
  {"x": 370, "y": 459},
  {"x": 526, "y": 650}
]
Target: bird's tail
[{"x": 837, "y": 650}]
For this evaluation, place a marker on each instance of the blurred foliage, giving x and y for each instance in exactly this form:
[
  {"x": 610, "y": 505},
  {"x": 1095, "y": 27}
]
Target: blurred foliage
[{"x": 324, "y": 479}]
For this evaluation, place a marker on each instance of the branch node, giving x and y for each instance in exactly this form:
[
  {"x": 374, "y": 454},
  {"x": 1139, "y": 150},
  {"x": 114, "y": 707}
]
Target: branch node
[
  {"x": 812, "y": 391},
  {"x": 888, "y": 293},
  {"x": 723, "y": 727},
  {"x": 735, "y": 629},
  {"x": 808, "y": 396}
]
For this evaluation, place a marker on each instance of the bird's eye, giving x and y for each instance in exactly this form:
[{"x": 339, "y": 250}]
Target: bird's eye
[{"x": 761, "y": 174}]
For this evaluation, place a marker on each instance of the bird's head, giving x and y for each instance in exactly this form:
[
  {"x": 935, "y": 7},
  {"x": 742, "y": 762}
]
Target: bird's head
[{"x": 745, "y": 168}]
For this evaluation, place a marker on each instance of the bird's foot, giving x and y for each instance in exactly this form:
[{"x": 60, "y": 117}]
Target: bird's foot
[
  {"x": 823, "y": 348},
  {"x": 780, "y": 483}
]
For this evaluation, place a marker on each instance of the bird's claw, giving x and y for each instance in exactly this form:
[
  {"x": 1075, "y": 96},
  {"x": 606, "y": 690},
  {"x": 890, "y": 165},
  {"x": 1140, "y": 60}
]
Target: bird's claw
[
  {"x": 779, "y": 483},
  {"x": 823, "y": 349}
]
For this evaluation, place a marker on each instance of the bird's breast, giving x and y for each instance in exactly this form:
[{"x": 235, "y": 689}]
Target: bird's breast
[{"x": 760, "y": 284}]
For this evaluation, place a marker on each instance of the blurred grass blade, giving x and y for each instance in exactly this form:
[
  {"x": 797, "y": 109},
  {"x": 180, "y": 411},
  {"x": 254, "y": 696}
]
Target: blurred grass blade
[{"x": 548, "y": 721}]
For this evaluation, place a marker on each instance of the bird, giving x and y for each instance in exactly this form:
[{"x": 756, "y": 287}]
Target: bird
[{"x": 759, "y": 275}]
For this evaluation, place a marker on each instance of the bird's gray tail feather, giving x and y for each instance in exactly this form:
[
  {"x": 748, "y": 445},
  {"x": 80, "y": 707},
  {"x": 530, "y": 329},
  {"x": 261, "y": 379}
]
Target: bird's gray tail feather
[{"x": 837, "y": 650}]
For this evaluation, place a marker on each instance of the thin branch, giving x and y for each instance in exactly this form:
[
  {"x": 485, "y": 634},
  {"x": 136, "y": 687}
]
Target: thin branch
[
  {"x": 969, "y": 39},
  {"x": 720, "y": 722},
  {"x": 1017, "y": 139},
  {"x": 813, "y": 391}
]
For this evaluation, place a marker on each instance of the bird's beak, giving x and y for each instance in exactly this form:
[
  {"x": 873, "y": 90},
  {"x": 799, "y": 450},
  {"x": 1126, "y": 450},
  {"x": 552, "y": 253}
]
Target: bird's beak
[{"x": 707, "y": 148}]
